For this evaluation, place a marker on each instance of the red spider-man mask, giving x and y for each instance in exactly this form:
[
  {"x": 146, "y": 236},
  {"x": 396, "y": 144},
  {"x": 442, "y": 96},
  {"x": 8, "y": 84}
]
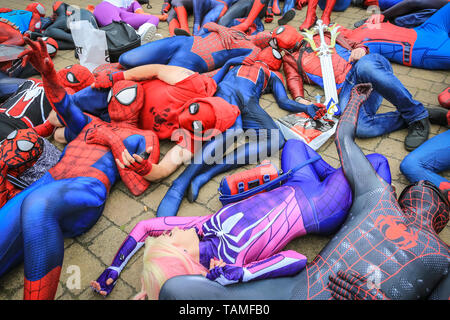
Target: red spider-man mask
[
  {"x": 75, "y": 77},
  {"x": 20, "y": 150},
  {"x": 52, "y": 46},
  {"x": 271, "y": 57},
  {"x": 285, "y": 37},
  {"x": 36, "y": 7},
  {"x": 198, "y": 117},
  {"x": 427, "y": 203},
  {"x": 125, "y": 101},
  {"x": 206, "y": 117}
]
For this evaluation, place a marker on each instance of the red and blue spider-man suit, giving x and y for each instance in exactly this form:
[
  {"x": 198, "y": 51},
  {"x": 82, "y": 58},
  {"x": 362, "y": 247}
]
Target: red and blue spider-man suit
[
  {"x": 426, "y": 46},
  {"x": 199, "y": 53},
  {"x": 386, "y": 248},
  {"x": 241, "y": 86},
  {"x": 250, "y": 235},
  {"x": 29, "y": 108},
  {"x": 70, "y": 197}
]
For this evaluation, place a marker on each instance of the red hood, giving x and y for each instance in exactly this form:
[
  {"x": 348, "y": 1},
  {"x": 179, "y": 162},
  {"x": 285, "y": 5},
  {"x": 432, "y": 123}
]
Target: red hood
[{"x": 225, "y": 115}]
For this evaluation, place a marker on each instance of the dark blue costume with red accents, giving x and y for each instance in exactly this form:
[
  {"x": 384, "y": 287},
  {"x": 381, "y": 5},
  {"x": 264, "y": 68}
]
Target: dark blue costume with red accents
[
  {"x": 241, "y": 86},
  {"x": 208, "y": 11},
  {"x": 199, "y": 53},
  {"x": 70, "y": 197},
  {"x": 391, "y": 247},
  {"x": 426, "y": 46}
]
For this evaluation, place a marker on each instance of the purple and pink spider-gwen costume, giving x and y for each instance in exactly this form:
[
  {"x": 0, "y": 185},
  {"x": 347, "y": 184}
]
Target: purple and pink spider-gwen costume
[{"x": 250, "y": 235}]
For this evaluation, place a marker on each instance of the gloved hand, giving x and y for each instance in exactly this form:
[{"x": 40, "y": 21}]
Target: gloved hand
[
  {"x": 350, "y": 285},
  {"x": 105, "y": 79},
  {"x": 39, "y": 58},
  {"x": 226, "y": 274},
  {"x": 106, "y": 282}
]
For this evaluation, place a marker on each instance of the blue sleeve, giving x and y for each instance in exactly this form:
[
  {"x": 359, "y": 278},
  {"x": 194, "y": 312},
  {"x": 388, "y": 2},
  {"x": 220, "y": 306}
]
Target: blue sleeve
[{"x": 281, "y": 97}]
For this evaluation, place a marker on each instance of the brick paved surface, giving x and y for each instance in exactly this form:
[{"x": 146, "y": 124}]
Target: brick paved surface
[{"x": 93, "y": 251}]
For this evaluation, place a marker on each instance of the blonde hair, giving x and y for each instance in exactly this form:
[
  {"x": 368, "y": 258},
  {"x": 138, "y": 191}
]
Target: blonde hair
[{"x": 162, "y": 261}]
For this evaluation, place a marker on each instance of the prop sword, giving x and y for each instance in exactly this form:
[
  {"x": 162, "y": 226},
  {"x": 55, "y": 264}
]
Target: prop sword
[{"x": 324, "y": 52}]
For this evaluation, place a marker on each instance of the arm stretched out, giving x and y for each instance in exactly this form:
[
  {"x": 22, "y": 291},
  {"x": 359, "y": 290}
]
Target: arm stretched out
[
  {"x": 136, "y": 240},
  {"x": 357, "y": 169}
]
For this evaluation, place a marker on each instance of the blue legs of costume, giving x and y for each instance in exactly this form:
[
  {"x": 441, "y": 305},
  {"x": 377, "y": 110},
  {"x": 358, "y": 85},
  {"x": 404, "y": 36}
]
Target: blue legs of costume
[
  {"x": 375, "y": 69},
  {"x": 425, "y": 162},
  {"x": 265, "y": 138},
  {"x": 432, "y": 47}
]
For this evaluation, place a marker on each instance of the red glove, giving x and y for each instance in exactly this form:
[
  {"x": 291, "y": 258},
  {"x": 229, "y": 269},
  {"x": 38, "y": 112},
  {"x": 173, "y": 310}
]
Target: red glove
[
  {"x": 142, "y": 168},
  {"x": 105, "y": 79},
  {"x": 100, "y": 135},
  {"x": 39, "y": 58},
  {"x": 321, "y": 112},
  {"x": 4, "y": 10}
]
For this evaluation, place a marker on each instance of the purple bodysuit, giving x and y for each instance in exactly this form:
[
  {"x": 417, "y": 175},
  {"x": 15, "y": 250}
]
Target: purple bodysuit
[{"x": 249, "y": 235}]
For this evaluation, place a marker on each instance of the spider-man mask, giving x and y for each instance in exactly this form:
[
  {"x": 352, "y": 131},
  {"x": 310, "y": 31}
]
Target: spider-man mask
[
  {"x": 427, "y": 202},
  {"x": 206, "y": 117},
  {"x": 125, "y": 101},
  {"x": 52, "y": 46},
  {"x": 271, "y": 57},
  {"x": 20, "y": 150},
  {"x": 75, "y": 77},
  {"x": 285, "y": 37}
]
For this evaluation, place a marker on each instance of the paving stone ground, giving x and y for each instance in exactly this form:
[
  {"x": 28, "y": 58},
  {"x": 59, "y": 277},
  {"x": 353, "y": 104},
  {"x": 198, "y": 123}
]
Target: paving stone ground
[{"x": 92, "y": 252}]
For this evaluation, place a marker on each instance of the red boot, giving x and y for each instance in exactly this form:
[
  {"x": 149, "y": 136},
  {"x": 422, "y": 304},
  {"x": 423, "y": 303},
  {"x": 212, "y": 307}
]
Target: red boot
[
  {"x": 444, "y": 98},
  {"x": 276, "y": 8},
  {"x": 300, "y": 4},
  {"x": 42, "y": 289},
  {"x": 182, "y": 17},
  {"x": 269, "y": 15},
  {"x": 310, "y": 15},
  {"x": 254, "y": 12},
  {"x": 173, "y": 24},
  {"x": 327, "y": 11}
]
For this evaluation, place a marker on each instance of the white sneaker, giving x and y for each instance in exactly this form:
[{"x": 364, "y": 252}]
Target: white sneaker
[{"x": 147, "y": 32}]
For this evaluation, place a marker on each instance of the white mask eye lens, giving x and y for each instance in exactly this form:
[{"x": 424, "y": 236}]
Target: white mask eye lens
[
  {"x": 276, "y": 54},
  {"x": 109, "y": 96},
  {"x": 279, "y": 30},
  {"x": 40, "y": 9},
  {"x": 24, "y": 145},
  {"x": 71, "y": 78},
  {"x": 50, "y": 49},
  {"x": 12, "y": 135},
  {"x": 127, "y": 96}
]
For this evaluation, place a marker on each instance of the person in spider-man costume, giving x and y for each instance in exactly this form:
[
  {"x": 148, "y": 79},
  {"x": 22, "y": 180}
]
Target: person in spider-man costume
[
  {"x": 406, "y": 13},
  {"x": 433, "y": 156},
  {"x": 198, "y": 53},
  {"x": 352, "y": 64},
  {"x": 177, "y": 14},
  {"x": 25, "y": 116},
  {"x": 385, "y": 249},
  {"x": 70, "y": 197},
  {"x": 248, "y": 235},
  {"x": 29, "y": 106},
  {"x": 426, "y": 46},
  {"x": 241, "y": 86}
]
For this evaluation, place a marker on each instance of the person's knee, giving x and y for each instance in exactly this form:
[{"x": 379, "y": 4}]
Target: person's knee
[
  {"x": 410, "y": 166},
  {"x": 34, "y": 212},
  {"x": 365, "y": 130},
  {"x": 53, "y": 119},
  {"x": 59, "y": 135}
]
